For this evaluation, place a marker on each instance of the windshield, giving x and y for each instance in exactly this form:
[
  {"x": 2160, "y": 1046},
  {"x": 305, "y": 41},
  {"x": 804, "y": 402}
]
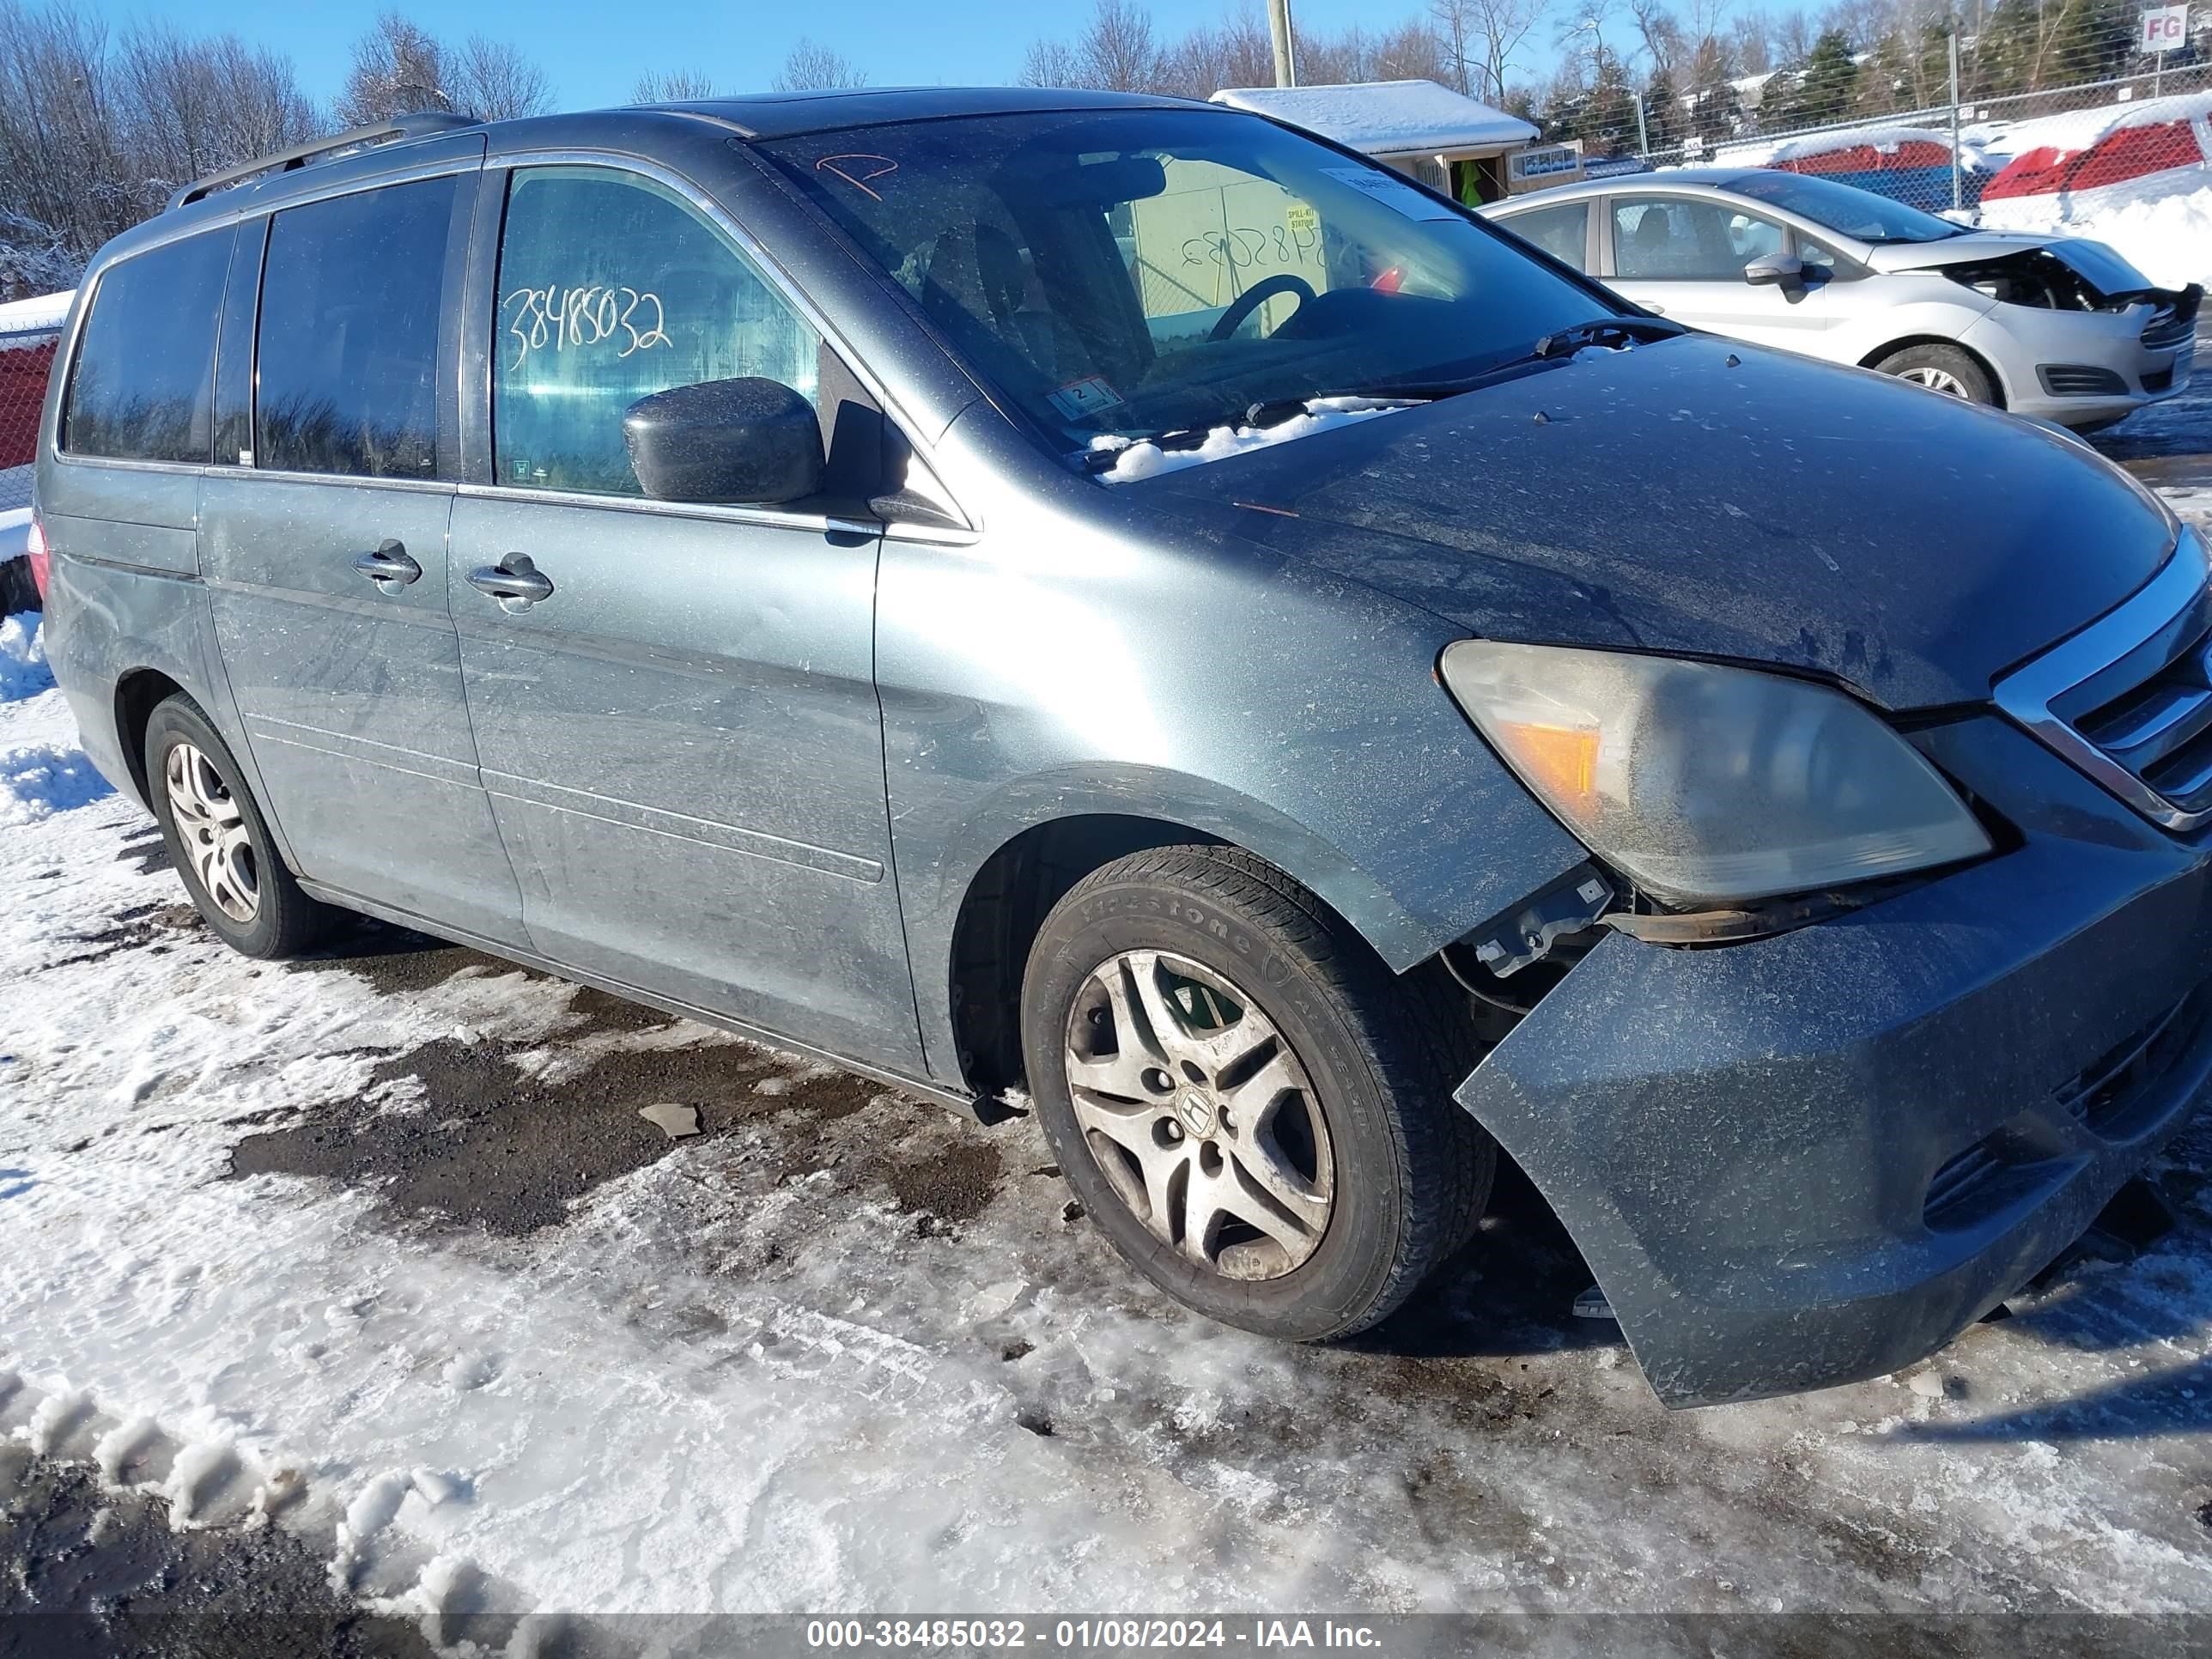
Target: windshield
[
  {"x": 1131, "y": 273},
  {"x": 1849, "y": 211}
]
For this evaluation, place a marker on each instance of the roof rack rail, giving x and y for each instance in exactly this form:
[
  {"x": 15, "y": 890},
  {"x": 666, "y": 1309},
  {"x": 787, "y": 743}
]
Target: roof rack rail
[{"x": 419, "y": 125}]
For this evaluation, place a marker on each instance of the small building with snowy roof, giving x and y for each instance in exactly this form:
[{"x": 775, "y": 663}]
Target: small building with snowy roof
[{"x": 1446, "y": 140}]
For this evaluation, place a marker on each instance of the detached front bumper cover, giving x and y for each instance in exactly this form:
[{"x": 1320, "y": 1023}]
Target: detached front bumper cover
[{"x": 1813, "y": 1159}]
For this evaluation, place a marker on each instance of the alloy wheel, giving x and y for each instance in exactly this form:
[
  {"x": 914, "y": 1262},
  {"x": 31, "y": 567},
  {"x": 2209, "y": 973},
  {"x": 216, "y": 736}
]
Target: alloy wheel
[
  {"x": 1935, "y": 380},
  {"x": 212, "y": 827},
  {"x": 1200, "y": 1114}
]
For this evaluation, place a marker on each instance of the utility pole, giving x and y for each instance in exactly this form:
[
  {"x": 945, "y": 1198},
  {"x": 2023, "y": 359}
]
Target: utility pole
[{"x": 1278, "y": 26}]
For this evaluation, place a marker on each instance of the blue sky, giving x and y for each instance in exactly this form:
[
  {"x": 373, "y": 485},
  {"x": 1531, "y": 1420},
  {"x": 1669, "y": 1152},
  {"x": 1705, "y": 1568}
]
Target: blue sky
[{"x": 595, "y": 49}]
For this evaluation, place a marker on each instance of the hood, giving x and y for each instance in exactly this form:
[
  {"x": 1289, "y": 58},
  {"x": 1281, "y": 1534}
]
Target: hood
[
  {"x": 1971, "y": 248},
  {"x": 1703, "y": 498},
  {"x": 2108, "y": 278}
]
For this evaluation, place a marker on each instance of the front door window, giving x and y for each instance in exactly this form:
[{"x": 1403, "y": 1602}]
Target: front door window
[
  {"x": 613, "y": 287},
  {"x": 1680, "y": 239}
]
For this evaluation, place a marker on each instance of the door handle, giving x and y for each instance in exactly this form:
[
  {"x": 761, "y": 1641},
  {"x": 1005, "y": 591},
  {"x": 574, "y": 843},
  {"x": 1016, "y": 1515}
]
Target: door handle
[
  {"x": 515, "y": 581},
  {"x": 389, "y": 567}
]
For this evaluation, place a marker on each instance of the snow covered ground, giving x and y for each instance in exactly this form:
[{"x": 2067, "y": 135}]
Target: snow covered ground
[{"x": 378, "y": 1250}]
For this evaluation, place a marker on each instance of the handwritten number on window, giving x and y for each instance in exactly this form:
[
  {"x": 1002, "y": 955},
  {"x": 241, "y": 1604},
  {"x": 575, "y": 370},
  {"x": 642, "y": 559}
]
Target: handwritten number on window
[
  {"x": 574, "y": 318},
  {"x": 1244, "y": 246}
]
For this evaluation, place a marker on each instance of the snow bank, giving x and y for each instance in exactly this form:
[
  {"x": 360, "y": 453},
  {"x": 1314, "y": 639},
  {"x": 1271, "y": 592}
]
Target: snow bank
[
  {"x": 42, "y": 771},
  {"x": 2166, "y": 234},
  {"x": 1148, "y": 460},
  {"x": 23, "y": 671},
  {"x": 37, "y": 780}
]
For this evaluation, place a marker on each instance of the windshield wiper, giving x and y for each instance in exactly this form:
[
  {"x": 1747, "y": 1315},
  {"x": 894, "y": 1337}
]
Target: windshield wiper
[{"x": 1604, "y": 331}]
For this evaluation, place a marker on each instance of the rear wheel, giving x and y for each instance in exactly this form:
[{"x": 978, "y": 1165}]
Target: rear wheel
[
  {"x": 220, "y": 844},
  {"x": 1257, "y": 1112},
  {"x": 1942, "y": 368}
]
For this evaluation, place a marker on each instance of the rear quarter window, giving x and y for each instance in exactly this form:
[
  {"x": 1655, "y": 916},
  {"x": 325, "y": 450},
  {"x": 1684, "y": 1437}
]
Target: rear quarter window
[{"x": 143, "y": 388}]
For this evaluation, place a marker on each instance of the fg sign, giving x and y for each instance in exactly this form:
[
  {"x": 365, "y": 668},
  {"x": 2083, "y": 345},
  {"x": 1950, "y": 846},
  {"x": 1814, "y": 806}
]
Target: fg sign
[{"x": 2164, "y": 29}]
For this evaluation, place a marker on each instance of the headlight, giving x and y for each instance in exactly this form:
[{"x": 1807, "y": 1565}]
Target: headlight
[{"x": 1705, "y": 783}]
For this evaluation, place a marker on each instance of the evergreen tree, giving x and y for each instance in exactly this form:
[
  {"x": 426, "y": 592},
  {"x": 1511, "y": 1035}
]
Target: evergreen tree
[
  {"x": 1663, "y": 122},
  {"x": 1606, "y": 122},
  {"x": 1827, "y": 84}
]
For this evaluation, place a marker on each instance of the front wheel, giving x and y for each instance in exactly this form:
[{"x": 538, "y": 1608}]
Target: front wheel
[
  {"x": 1257, "y": 1112},
  {"x": 1942, "y": 368}
]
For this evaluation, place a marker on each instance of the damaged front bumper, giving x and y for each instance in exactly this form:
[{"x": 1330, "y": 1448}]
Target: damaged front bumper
[
  {"x": 1816, "y": 1158},
  {"x": 2079, "y": 368}
]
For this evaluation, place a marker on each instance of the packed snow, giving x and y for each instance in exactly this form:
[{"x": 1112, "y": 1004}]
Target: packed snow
[
  {"x": 39, "y": 774},
  {"x": 1148, "y": 460},
  {"x": 846, "y": 1352},
  {"x": 2070, "y": 131},
  {"x": 40, "y": 315},
  {"x": 1386, "y": 118},
  {"x": 1885, "y": 141}
]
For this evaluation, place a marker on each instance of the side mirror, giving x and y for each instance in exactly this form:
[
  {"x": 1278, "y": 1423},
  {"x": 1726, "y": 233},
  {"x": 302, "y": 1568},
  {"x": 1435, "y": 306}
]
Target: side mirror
[
  {"x": 1785, "y": 269},
  {"x": 749, "y": 442}
]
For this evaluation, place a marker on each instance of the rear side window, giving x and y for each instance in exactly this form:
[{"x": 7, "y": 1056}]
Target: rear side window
[
  {"x": 611, "y": 289},
  {"x": 143, "y": 386},
  {"x": 1562, "y": 231},
  {"x": 352, "y": 297}
]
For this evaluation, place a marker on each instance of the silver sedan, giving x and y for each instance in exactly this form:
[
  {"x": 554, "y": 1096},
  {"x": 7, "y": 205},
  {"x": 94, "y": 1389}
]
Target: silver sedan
[{"x": 2050, "y": 327}]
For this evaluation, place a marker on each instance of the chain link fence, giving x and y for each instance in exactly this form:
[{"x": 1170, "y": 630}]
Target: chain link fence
[
  {"x": 27, "y": 358},
  {"x": 2025, "y": 116}
]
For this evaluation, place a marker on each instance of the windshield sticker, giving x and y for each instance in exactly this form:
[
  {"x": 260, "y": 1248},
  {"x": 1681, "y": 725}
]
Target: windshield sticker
[
  {"x": 1085, "y": 396},
  {"x": 1392, "y": 192}
]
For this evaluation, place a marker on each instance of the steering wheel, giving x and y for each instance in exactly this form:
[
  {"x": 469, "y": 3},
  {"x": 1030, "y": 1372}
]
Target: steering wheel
[{"x": 1255, "y": 297}]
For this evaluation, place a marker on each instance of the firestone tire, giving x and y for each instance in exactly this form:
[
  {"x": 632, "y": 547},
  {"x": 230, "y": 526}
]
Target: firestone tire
[
  {"x": 1407, "y": 1172},
  {"x": 220, "y": 844}
]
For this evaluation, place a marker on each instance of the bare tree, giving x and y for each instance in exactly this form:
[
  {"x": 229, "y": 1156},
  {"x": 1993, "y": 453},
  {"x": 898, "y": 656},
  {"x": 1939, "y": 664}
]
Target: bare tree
[
  {"x": 1411, "y": 51},
  {"x": 1751, "y": 44},
  {"x": 190, "y": 106},
  {"x": 492, "y": 80},
  {"x": 1117, "y": 52},
  {"x": 95, "y": 133},
  {"x": 672, "y": 87},
  {"x": 814, "y": 67},
  {"x": 1050, "y": 64},
  {"x": 1482, "y": 37},
  {"x": 1236, "y": 52},
  {"x": 398, "y": 67},
  {"x": 1791, "y": 37},
  {"x": 1660, "y": 31}
]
